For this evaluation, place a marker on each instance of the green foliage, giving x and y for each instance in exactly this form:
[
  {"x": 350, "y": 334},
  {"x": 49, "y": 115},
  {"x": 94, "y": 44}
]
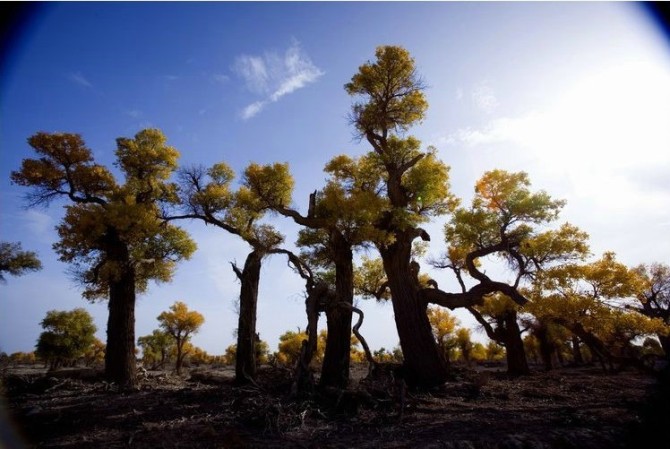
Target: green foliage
[
  {"x": 262, "y": 353},
  {"x": 67, "y": 336},
  {"x": 16, "y": 262},
  {"x": 106, "y": 217},
  {"x": 392, "y": 92},
  {"x": 587, "y": 295},
  {"x": 156, "y": 348},
  {"x": 272, "y": 184},
  {"x": 508, "y": 220}
]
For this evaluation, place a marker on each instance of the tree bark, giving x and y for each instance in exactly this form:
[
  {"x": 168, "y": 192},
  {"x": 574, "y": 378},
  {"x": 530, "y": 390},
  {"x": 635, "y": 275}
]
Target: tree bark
[
  {"x": 424, "y": 366},
  {"x": 337, "y": 356},
  {"x": 576, "y": 351},
  {"x": 180, "y": 356},
  {"x": 546, "y": 347},
  {"x": 120, "y": 364},
  {"x": 517, "y": 364},
  {"x": 245, "y": 361}
]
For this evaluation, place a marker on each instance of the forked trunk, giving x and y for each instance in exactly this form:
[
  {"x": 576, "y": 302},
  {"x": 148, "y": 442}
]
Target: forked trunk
[
  {"x": 245, "y": 362},
  {"x": 424, "y": 365},
  {"x": 336, "y": 360},
  {"x": 120, "y": 365}
]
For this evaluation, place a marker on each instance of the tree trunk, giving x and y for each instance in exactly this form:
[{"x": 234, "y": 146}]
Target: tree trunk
[
  {"x": 546, "y": 348},
  {"x": 576, "y": 351},
  {"x": 336, "y": 360},
  {"x": 245, "y": 361},
  {"x": 517, "y": 365},
  {"x": 424, "y": 365},
  {"x": 180, "y": 347},
  {"x": 120, "y": 353}
]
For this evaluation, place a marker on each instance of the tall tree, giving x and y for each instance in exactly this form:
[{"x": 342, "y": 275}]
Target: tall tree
[
  {"x": 111, "y": 233},
  {"x": 508, "y": 222},
  {"x": 207, "y": 195},
  {"x": 414, "y": 188},
  {"x": 16, "y": 262},
  {"x": 180, "y": 323},
  {"x": 67, "y": 336},
  {"x": 337, "y": 221}
]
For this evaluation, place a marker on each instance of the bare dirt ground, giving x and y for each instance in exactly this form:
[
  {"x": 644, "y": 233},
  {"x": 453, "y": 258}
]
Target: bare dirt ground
[{"x": 581, "y": 408}]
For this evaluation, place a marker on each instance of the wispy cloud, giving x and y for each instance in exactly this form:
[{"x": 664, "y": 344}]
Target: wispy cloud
[
  {"x": 484, "y": 98},
  {"x": 134, "y": 113},
  {"x": 220, "y": 78},
  {"x": 274, "y": 76},
  {"x": 80, "y": 79},
  {"x": 39, "y": 224},
  {"x": 606, "y": 137}
]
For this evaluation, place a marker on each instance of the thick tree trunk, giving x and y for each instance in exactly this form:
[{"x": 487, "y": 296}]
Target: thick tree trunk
[
  {"x": 120, "y": 365},
  {"x": 245, "y": 362},
  {"x": 424, "y": 365},
  {"x": 546, "y": 347},
  {"x": 517, "y": 364},
  {"x": 336, "y": 360}
]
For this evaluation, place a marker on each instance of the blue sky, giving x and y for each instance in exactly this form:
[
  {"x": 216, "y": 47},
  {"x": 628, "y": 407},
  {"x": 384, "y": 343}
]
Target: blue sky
[{"x": 576, "y": 94}]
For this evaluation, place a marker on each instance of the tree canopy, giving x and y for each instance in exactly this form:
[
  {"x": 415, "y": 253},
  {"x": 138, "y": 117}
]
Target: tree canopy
[{"x": 16, "y": 262}]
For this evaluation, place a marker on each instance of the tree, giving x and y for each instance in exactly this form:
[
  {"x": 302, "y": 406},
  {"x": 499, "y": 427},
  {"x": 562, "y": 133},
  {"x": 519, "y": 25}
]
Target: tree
[
  {"x": 585, "y": 298},
  {"x": 464, "y": 344},
  {"x": 510, "y": 222},
  {"x": 156, "y": 348},
  {"x": 444, "y": 329},
  {"x": 206, "y": 195},
  {"x": 111, "y": 233},
  {"x": 654, "y": 297},
  {"x": 67, "y": 336},
  {"x": 180, "y": 323},
  {"x": 337, "y": 221},
  {"x": 95, "y": 354},
  {"x": 15, "y": 261}
]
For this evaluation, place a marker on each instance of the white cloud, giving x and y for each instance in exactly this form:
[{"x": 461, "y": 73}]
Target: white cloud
[
  {"x": 253, "y": 109},
  {"x": 78, "y": 78},
  {"x": 275, "y": 76},
  {"x": 459, "y": 94},
  {"x": 599, "y": 137},
  {"x": 134, "y": 113},
  {"x": 254, "y": 72},
  {"x": 484, "y": 98}
]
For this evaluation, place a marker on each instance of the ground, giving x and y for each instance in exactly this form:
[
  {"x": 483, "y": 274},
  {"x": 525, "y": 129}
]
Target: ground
[{"x": 572, "y": 407}]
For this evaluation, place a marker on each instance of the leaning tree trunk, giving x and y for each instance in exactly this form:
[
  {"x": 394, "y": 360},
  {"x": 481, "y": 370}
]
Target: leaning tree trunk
[
  {"x": 245, "y": 361},
  {"x": 424, "y": 365},
  {"x": 336, "y": 360},
  {"x": 517, "y": 364},
  {"x": 120, "y": 364}
]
